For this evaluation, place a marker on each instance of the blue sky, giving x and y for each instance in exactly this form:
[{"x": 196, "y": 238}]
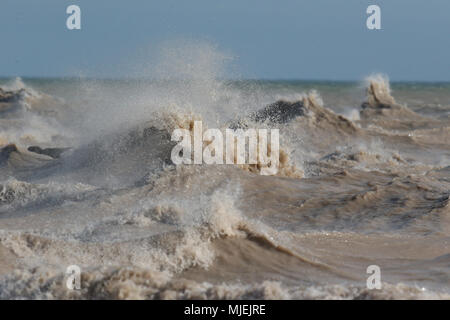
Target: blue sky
[{"x": 287, "y": 39}]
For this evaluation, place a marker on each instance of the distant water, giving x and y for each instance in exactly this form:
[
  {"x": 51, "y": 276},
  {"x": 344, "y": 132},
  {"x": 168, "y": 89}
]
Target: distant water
[{"x": 364, "y": 180}]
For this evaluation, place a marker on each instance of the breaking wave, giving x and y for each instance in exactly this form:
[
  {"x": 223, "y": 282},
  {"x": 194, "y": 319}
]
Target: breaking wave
[{"x": 87, "y": 179}]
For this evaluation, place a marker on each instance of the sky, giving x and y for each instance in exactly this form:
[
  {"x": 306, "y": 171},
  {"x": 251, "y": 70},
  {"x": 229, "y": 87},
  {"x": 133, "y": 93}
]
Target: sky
[{"x": 267, "y": 39}]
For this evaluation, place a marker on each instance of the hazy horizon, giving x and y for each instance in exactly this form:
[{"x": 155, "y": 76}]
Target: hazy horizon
[{"x": 293, "y": 80}]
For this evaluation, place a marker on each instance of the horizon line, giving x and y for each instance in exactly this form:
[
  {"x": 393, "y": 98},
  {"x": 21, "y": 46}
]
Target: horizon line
[{"x": 262, "y": 79}]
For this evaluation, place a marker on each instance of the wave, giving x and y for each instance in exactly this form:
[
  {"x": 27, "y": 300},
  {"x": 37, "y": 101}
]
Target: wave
[
  {"x": 16, "y": 194},
  {"x": 109, "y": 198},
  {"x": 138, "y": 284},
  {"x": 381, "y": 109},
  {"x": 310, "y": 107},
  {"x": 17, "y": 97}
]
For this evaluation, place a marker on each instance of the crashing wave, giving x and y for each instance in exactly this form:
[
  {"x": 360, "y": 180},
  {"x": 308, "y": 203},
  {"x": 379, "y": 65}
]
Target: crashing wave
[
  {"x": 140, "y": 283},
  {"x": 378, "y": 93},
  {"x": 19, "y": 193},
  {"x": 381, "y": 109},
  {"x": 17, "y": 99},
  {"x": 309, "y": 107}
]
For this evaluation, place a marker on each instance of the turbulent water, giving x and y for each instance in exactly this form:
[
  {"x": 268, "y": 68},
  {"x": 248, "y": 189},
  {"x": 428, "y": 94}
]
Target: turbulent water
[{"x": 364, "y": 180}]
